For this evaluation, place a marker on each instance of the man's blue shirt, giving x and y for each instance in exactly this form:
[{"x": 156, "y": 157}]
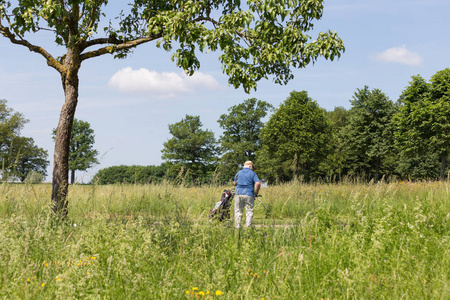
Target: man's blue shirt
[{"x": 246, "y": 180}]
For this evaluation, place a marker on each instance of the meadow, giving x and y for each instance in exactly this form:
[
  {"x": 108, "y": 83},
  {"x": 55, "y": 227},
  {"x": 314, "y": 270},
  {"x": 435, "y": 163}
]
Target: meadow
[{"x": 312, "y": 241}]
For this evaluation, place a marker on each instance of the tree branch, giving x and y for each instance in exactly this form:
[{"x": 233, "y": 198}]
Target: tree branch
[
  {"x": 116, "y": 47},
  {"x": 101, "y": 41},
  {"x": 82, "y": 10},
  {"x": 51, "y": 61},
  {"x": 209, "y": 19},
  {"x": 94, "y": 8}
]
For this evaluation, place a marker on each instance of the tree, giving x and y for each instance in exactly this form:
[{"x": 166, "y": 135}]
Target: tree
[
  {"x": 242, "y": 125},
  {"x": 296, "y": 135},
  {"x": 334, "y": 165},
  {"x": 369, "y": 135},
  {"x": 411, "y": 137},
  {"x": 190, "y": 146},
  {"x": 28, "y": 158},
  {"x": 423, "y": 124},
  {"x": 258, "y": 39},
  {"x": 82, "y": 155},
  {"x": 19, "y": 155},
  {"x": 440, "y": 112}
]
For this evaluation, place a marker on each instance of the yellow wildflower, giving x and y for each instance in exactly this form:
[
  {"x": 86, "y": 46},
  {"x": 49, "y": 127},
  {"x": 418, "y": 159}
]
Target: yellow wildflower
[
  {"x": 43, "y": 284},
  {"x": 201, "y": 293},
  {"x": 219, "y": 293},
  {"x": 28, "y": 279},
  {"x": 187, "y": 292},
  {"x": 195, "y": 289}
]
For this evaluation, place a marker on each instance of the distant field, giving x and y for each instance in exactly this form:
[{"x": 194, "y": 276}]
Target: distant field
[{"x": 344, "y": 241}]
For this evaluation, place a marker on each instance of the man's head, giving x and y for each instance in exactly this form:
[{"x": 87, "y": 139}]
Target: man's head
[{"x": 249, "y": 164}]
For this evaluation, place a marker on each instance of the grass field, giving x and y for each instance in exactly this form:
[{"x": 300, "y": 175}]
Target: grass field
[{"x": 342, "y": 241}]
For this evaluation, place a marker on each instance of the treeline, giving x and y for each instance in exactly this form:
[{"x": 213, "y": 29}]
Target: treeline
[
  {"x": 376, "y": 138},
  {"x": 130, "y": 174}
]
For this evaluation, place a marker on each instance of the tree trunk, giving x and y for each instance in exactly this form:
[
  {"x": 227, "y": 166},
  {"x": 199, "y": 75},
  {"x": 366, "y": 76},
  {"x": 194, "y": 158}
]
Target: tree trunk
[
  {"x": 72, "y": 176},
  {"x": 443, "y": 165},
  {"x": 295, "y": 167},
  {"x": 377, "y": 169},
  {"x": 62, "y": 140},
  {"x": 278, "y": 179}
]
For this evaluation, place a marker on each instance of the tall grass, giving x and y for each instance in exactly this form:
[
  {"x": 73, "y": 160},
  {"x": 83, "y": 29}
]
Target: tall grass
[{"x": 344, "y": 241}]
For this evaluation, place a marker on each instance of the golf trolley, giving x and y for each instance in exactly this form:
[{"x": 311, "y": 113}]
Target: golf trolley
[{"x": 221, "y": 210}]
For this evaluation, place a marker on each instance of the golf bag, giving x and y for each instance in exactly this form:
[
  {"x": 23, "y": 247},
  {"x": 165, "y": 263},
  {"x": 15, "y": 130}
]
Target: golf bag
[{"x": 221, "y": 210}]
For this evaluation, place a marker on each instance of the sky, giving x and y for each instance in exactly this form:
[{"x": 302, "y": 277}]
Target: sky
[{"x": 130, "y": 102}]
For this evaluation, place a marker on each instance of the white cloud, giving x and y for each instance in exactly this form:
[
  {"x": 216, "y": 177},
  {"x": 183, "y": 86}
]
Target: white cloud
[
  {"x": 161, "y": 85},
  {"x": 400, "y": 55}
]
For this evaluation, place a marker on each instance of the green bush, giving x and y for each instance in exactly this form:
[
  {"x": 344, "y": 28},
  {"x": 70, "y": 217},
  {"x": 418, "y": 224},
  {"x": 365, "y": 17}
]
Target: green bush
[{"x": 130, "y": 174}]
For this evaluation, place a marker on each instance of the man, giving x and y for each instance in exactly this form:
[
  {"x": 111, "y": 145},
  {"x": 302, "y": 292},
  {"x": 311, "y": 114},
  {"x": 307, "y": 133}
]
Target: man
[{"x": 247, "y": 187}]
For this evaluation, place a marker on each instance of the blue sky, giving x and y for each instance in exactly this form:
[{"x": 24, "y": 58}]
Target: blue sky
[{"x": 130, "y": 103}]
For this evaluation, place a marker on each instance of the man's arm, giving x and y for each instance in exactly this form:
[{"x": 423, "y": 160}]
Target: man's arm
[{"x": 257, "y": 186}]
